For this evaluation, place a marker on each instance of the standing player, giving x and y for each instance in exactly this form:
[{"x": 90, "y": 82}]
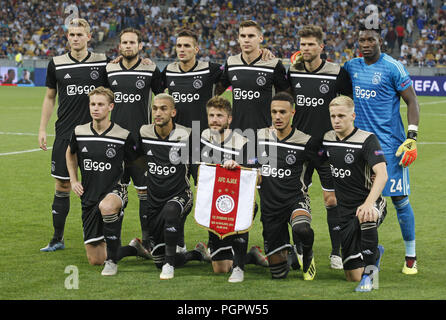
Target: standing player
[
  {"x": 221, "y": 145},
  {"x": 169, "y": 197},
  {"x": 70, "y": 76},
  {"x": 189, "y": 81},
  {"x": 355, "y": 155},
  {"x": 99, "y": 149},
  {"x": 253, "y": 80},
  {"x": 133, "y": 83},
  {"x": 379, "y": 81},
  {"x": 314, "y": 82},
  {"x": 283, "y": 193}
]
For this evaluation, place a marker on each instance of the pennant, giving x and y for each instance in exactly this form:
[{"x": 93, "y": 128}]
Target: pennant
[{"x": 225, "y": 199}]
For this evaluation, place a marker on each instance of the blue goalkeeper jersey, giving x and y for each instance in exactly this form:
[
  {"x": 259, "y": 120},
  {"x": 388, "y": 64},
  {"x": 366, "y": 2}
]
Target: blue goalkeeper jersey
[{"x": 376, "y": 93}]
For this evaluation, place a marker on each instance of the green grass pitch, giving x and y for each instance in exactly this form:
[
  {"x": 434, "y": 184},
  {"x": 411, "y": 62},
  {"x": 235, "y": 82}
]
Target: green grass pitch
[{"x": 27, "y": 189}]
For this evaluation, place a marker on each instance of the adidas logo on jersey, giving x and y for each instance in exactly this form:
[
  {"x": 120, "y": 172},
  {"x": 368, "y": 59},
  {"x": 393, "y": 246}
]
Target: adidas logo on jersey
[
  {"x": 234, "y": 78},
  {"x": 172, "y": 84},
  {"x": 115, "y": 83},
  {"x": 149, "y": 153},
  {"x": 67, "y": 76},
  {"x": 298, "y": 85},
  {"x": 84, "y": 149}
]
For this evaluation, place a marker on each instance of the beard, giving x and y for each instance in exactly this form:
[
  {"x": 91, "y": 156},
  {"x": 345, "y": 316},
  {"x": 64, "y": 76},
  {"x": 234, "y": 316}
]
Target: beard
[
  {"x": 130, "y": 56},
  {"x": 310, "y": 59},
  {"x": 221, "y": 129},
  {"x": 162, "y": 123}
]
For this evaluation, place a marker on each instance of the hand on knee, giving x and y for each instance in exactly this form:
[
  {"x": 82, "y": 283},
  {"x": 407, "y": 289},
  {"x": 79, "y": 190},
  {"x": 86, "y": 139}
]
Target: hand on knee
[
  {"x": 370, "y": 218},
  {"x": 367, "y": 213}
]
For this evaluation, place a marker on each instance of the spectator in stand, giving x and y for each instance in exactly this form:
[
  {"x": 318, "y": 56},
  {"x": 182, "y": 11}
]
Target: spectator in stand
[
  {"x": 400, "y": 33},
  {"x": 390, "y": 39},
  {"x": 38, "y": 27}
]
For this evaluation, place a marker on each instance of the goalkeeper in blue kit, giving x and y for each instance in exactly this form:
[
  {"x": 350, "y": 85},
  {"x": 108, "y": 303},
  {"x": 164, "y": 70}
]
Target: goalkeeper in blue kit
[{"x": 379, "y": 81}]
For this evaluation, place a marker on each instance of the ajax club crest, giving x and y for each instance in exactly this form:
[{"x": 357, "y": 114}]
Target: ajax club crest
[
  {"x": 174, "y": 155},
  {"x": 224, "y": 204},
  {"x": 198, "y": 83},
  {"x": 376, "y": 78},
  {"x": 140, "y": 83},
  {"x": 261, "y": 80},
  {"x": 110, "y": 152},
  {"x": 324, "y": 88},
  {"x": 349, "y": 158},
  {"x": 291, "y": 158},
  {"x": 94, "y": 74}
]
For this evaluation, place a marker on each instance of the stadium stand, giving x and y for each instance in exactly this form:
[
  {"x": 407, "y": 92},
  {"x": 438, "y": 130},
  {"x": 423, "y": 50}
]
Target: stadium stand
[{"x": 414, "y": 30}]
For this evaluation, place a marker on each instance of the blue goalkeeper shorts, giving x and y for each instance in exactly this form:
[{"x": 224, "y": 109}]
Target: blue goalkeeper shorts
[{"x": 398, "y": 177}]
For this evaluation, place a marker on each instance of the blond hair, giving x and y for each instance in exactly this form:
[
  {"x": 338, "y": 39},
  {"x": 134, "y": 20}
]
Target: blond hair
[
  {"x": 79, "y": 22},
  {"x": 103, "y": 91},
  {"x": 343, "y": 101},
  {"x": 165, "y": 96}
]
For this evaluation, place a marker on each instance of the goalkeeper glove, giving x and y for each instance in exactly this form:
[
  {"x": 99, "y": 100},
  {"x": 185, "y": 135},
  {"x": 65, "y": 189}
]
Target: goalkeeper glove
[
  {"x": 297, "y": 58},
  {"x": 409, "y": 149}
]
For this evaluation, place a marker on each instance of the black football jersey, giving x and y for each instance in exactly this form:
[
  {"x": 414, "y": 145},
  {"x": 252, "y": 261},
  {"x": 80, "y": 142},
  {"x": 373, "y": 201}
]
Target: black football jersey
[
  {"x": 235, "y": 147},
  {"x": 283, "y": 165},
  {"x": 313, "y": 92},
  {"x": 73, "y": 80},
  {"x": 191, "y": 90},
  {"x": 167, "y": 162},
  {"x": 351, "y": 161},
  {"x": 101, "y": 158},
  {"x": 253, "y": 86},
  {"x": 133, "y": 93}
]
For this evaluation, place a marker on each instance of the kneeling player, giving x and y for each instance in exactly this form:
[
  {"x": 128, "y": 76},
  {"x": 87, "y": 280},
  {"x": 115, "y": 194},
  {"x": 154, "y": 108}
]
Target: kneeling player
[
  {"x": 167, "y": 148},
  {"x": 99, "y": 148},
  {"x": 355, "y": 155},
  {"x": 221, "y": 145},
  {"x": 283, "y": 193}
]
